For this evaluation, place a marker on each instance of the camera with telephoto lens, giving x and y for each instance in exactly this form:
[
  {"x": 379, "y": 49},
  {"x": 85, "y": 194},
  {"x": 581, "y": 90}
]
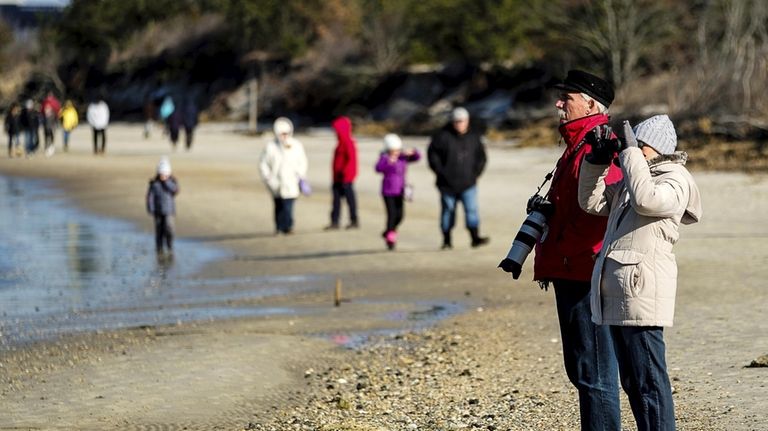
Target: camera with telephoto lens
[{"x": 532, "y": 230}]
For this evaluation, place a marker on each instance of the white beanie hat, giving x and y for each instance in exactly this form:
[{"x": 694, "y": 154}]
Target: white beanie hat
[
  {"x": 164, "y": 167},
  {"x": 459, "y": 114},
  {"x": 657, "y": 132},
  {"x": 283, "y": 125},
  {"x": 392, "y": 142}
]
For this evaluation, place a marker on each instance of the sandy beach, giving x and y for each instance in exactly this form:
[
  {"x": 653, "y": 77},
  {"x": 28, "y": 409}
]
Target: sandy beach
[{"x": 492, "y": 361}]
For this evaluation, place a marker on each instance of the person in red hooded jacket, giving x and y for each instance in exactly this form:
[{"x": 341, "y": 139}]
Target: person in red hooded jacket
[
  {"x": 344, "y": 173},
  {"x": 566, "y": 253}
]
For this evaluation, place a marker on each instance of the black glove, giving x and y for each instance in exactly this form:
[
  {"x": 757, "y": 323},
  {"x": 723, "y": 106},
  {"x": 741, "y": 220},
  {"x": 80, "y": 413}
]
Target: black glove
[
  {"x": 626, "y": 136},
  {"x": 603, "y": 145},
  {"x": 541, "y": 204}
]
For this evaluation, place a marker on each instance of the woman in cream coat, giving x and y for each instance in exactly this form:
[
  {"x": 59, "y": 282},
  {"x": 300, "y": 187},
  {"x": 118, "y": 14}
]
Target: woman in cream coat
[
  {"x": 283, "y": 164},
  {"x": 635, "y": 274}
]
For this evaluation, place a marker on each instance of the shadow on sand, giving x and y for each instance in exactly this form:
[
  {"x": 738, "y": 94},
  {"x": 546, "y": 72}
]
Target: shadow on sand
[
  {"x": 329, "y": 254},
  {"x": 231, "y": 237}
]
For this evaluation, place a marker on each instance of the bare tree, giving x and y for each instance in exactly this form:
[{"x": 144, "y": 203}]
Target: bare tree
[
  {"x": 732, "y": 40},
  {"x": 619, "y": 33},
  {"x": 386, "y": 34}
]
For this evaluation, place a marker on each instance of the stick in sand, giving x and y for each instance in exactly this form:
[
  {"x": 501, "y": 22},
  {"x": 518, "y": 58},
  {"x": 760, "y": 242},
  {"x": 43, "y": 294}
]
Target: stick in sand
[{"x": 337, "y": 293}]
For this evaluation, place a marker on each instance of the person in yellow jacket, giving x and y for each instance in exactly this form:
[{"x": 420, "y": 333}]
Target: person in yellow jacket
[{"x": 69, "y": 120}]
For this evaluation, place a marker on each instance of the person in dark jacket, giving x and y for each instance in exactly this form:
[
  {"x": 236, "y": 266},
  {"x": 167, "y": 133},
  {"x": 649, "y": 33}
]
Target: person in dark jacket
[
  {"x": 344, "y": 172},
  {"x": 30, "y": 125},
  {"x": 565, "y": 255},
  {"x": 174, "y": 126},
  {"x": 161, "y": 204},
  {"x": 12, "y": 128},
  {"x": 456, "y": 154},
  {"x": 190, "y": 121}
]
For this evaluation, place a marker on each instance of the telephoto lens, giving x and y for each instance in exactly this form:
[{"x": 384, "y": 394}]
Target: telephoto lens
[{"x": 529, "y": 234}]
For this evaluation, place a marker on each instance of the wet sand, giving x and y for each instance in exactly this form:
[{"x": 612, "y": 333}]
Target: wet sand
[{"x": 225, "y": 375}]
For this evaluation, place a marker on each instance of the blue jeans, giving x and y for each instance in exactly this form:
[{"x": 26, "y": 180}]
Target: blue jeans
[
  {"x": 468, "y": 199},
  {"x": 30, "y": 137},
  {"x": 640, "y": 350},
  {"x": 284, "y": 215},
  {"x": 590, "y": 362}
]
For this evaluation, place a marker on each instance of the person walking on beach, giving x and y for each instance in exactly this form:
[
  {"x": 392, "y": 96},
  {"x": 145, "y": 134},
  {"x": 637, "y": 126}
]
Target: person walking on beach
[
  {"x": 456, "y": 155},
  {"x": 69, "y": 120},
  {"x": 149, "y": 114},
  {"x": 12, "y": 128},
  {"x": 30, "y": 125},
  {"x": 190, "y": 119},
  {"x": 565, "y": 255},
  {"x": 174, "y": 127},
  {"x": 98, "y": 118},
  {"x": 393, "y": 164},
  {"x": 635, "y": 275},
  {"x": 161, "y": 205},
  {"x": 283, "y": 165},
  {"x": 167, "y": 106},
  {"x": 50, "y": 109},
  {"x": 344, "y": 173}
]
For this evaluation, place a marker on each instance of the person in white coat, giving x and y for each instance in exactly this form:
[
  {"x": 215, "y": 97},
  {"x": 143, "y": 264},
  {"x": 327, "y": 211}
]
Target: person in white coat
[
  {"x": 283, "y": 165},
  {"x": 634, "y": 280},
  {"x": 98, "y": 117}
]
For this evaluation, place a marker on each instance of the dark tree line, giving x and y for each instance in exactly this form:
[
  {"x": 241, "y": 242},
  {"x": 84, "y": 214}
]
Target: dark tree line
[{"x": 701, "y": 47}]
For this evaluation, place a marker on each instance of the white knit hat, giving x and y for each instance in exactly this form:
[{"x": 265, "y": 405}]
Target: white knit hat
[
  {"x": 164, "y": 167},
  {"x": 459, "y": 114},
  {"x": 392, "y": 142},
  {"x": 282, "y": 126},
  {"x": 657, "y": 132}
]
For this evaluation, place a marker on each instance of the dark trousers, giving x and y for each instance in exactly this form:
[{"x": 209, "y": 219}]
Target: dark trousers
[
  {"x": 590, "y": 362},
  {"x": 284, "y": 215},
  {"x": 643, "y": 369},
  {"x": 163, "y": 232},
  {"x": 346, "y": 190},
  {"x": 394, "y": 205},
  {"x": 174, "y": 133},
  {"x": 189, "y": 134},
  {"x": 99, "y": 133},
  {"x": 13, "y": 143},
  {"x": 48, "y": 136}
]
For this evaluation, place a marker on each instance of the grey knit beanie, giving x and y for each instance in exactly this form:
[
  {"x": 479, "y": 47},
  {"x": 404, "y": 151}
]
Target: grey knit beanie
[{"x": 657, "y": 132}]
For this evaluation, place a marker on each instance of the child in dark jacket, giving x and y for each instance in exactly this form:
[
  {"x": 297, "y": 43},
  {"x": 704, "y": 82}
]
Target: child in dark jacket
[
  {"x": 161, "y": 204},
  {"x": 393, "y": 163}
]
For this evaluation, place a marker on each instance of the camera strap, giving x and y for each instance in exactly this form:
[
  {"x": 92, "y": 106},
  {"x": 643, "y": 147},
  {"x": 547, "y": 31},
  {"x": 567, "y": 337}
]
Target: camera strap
[{"x": 551, "y": 173}]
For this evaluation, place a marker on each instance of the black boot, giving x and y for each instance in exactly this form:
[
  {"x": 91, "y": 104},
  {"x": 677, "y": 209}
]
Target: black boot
[
  {"x": 478, "y": 240},
  {"x": 447, "y": 241}
]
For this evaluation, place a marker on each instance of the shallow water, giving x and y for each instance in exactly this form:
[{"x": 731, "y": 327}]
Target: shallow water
[{"x": 63, "y": 270}]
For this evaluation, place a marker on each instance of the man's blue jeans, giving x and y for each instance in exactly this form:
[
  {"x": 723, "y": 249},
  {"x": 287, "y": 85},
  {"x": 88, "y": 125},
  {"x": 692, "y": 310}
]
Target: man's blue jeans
[
  {"x": 468, "y": 199},
  {"x": 590, "y": 362},
  {"x": 640, "y": 350}
]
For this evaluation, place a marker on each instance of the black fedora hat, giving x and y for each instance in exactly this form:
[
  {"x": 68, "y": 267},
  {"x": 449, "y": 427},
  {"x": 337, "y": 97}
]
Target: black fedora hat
[{"x": 578, "y": 81}]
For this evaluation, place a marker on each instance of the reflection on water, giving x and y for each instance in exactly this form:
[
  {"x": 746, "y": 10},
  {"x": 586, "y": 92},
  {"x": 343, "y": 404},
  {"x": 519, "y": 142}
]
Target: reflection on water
[
  {"x": 81, "y": 250},
  {"x": 64, "y": 270}
]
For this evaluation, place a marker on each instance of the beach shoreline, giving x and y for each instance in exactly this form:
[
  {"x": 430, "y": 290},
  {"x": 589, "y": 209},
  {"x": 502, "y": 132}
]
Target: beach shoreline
[{"x": 506, "y": 328}]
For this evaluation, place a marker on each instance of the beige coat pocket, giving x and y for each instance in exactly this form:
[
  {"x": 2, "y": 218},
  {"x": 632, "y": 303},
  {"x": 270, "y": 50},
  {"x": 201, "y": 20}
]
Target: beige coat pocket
[{"x": 623, "y": 273}]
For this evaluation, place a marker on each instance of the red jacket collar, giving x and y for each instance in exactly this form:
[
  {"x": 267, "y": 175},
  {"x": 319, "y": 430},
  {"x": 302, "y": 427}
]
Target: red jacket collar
[{"x": 574, "y": 131}]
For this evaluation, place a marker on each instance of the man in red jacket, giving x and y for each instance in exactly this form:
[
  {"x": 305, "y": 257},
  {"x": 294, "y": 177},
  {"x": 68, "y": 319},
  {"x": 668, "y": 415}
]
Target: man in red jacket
[
  {"x": 344, "y": 173},
  {"x": 565, "y": 254}
]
